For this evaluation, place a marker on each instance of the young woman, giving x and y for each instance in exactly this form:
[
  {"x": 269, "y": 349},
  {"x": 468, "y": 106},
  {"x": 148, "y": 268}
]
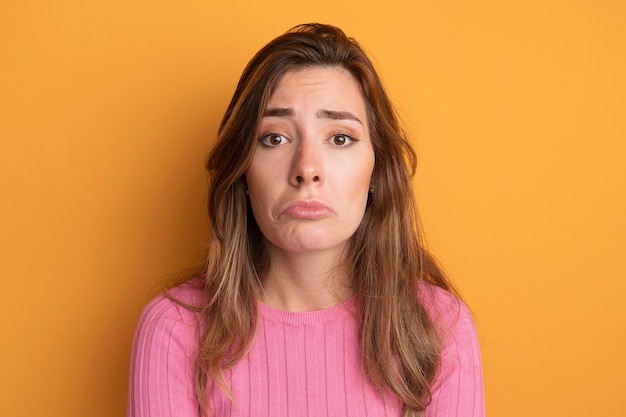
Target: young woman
[{"x": 317, "y": 297}]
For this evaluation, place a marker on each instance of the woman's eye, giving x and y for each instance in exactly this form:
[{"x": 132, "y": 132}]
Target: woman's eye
[
  {"x": 342, "y": 140},
  {"x": 273, "y": 139}
]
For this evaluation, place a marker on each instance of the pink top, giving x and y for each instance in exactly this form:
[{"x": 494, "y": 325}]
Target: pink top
[{"x": 300, "y": 364}]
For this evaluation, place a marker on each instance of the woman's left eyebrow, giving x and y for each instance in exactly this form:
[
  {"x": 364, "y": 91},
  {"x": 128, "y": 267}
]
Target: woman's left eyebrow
[{"x": 337, "y": 115}]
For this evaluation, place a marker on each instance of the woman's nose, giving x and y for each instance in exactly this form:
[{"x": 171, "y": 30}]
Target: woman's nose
[{"x": 307, "y": 165}]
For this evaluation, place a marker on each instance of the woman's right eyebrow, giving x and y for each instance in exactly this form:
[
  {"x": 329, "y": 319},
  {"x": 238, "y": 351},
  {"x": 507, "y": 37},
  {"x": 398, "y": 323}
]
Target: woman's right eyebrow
[{"x": 278, "y": 112}]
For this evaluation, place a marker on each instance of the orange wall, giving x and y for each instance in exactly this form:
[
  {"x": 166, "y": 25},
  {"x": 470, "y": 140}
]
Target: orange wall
[{"x": 518, "y": 113}]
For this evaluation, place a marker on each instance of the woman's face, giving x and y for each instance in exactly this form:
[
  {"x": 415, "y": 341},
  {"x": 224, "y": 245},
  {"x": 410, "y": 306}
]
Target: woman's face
[{"x": 313, "y": 161}]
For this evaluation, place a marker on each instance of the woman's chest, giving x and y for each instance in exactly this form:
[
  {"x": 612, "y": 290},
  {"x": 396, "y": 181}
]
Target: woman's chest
[{"x": 305, "y": 370}]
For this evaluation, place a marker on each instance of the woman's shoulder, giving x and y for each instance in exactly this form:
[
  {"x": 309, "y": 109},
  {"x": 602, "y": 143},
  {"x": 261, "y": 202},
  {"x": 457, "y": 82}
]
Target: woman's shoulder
[
  {"x": 445, "y": 309},
  {"x": 177, "y": 304},
  {"x": 164, "y": 354},
  {"x": 458, "y": 387}
]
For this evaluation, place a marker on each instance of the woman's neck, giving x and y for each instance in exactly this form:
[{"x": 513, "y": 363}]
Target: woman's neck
[{"x": 304, "y": 281}]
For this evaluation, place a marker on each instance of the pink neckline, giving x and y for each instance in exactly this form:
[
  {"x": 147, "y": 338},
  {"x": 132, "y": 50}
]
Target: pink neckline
[{"x": 308, "y": 317}]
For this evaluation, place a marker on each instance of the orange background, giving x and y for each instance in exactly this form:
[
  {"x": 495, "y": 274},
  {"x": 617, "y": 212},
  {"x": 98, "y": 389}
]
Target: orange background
[{"x": 518, "y": 113}]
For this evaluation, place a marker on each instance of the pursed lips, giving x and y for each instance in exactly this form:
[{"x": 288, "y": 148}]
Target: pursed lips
[{"x": 307, "y": 209}]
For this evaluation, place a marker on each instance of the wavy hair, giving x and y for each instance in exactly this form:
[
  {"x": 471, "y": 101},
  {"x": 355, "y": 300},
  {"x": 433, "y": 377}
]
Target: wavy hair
[{"x": 399, "y": 344}]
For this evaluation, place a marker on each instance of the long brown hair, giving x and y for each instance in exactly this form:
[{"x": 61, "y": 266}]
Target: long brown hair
[{"x": 400, "y": 347}]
